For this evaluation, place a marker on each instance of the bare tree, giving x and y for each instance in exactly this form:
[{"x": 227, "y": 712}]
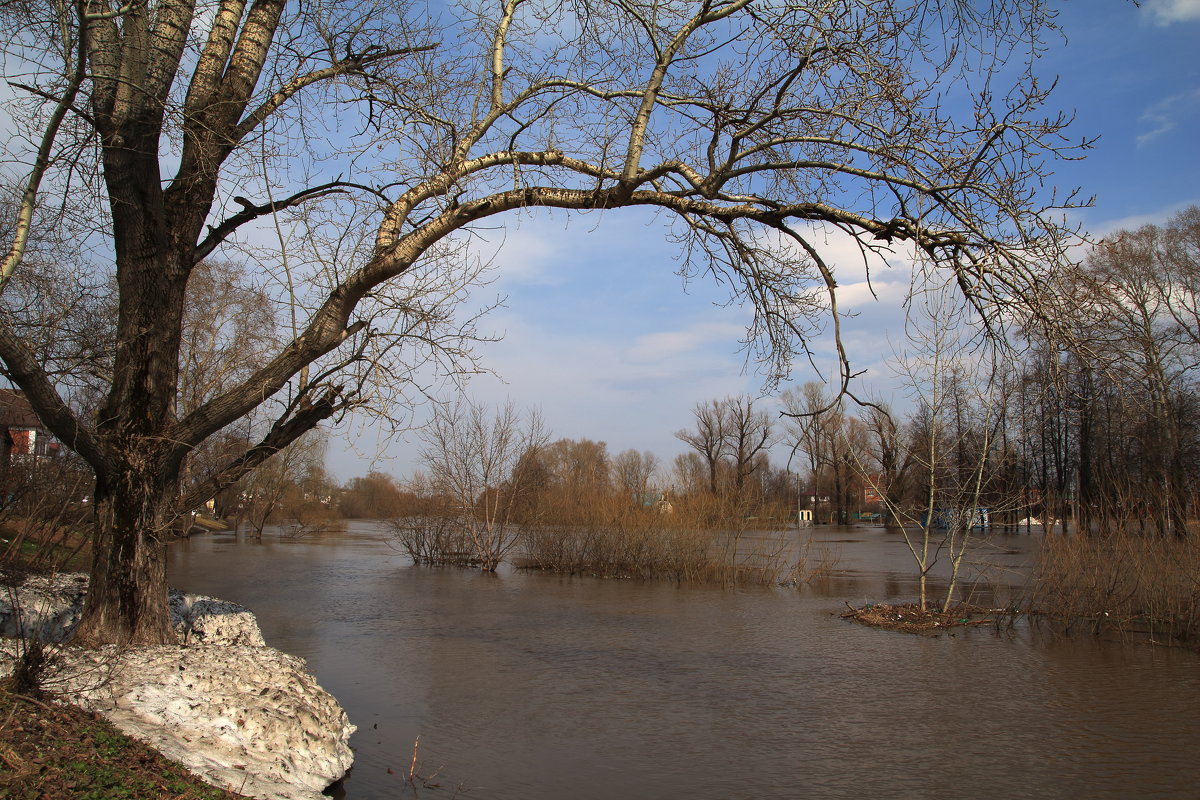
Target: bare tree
[
  {"x": 806, "y": 425},
  {"x": 261, "y": 497},
  {"x": 1179, "y": 257},
  {"x": 729, "y": 436},
  {"x": 820, "y": 428},
  {"x": 748, "y": 437},
  {"x": 476, "y": 458},
  {"x": 579, "y": 466},
  {"x": 1121, "y": 363},
  {"x": 63, "y": 312},
  {"x": 375, "y": 496},
  {"x": 689, "y": 473},
  {"x": 168, "y": 131},
  {"x": 891, "y": 458},
  {"x": 708, "y": 438},
  {"x": 229, "y": 325},
  {"x": 634, "y": 472},
  {"x": 952, "y": 440}
]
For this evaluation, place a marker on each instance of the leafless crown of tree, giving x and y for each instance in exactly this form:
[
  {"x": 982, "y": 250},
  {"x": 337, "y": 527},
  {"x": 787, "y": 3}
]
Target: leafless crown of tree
[{"x": 369, "y": 139}]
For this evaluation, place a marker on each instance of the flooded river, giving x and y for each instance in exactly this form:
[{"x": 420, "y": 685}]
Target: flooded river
[{"x": 528, "y": 686}]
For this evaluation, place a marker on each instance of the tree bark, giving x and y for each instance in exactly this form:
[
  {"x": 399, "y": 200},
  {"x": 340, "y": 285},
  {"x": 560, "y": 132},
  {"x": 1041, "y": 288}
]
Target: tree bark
[{"x": 126, "y": 602}]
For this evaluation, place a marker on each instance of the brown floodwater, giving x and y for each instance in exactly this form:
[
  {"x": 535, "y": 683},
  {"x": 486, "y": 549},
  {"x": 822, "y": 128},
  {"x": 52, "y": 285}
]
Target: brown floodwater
[{"x": 529, "y": 686}]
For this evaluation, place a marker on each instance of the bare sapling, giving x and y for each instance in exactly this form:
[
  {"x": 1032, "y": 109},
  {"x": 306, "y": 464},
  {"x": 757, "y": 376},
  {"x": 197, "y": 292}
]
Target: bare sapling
[{"x": 474, "y": 457}]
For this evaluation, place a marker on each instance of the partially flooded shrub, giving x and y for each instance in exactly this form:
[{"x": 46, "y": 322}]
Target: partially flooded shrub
[
  {"x": 434, "y": 539},
  {"x": 618, "y": 548},
  {"x": 617, "y": 538},
  {"x": 1123, "y": 580},
  {"x": 815, "y": 561}
]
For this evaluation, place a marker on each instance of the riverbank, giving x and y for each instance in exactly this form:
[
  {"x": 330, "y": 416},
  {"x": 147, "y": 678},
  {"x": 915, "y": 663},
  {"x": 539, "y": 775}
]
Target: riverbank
[
  {"x": 51, "y": 750},
  {"x": 243, "y": 716}
]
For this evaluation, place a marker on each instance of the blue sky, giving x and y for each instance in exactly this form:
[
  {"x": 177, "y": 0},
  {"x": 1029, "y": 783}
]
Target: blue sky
[{"x": 601, "y": 335}]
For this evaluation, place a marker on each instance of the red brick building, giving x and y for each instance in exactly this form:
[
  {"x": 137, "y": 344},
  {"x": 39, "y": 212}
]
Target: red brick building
[{"x": 23, "y": 437}]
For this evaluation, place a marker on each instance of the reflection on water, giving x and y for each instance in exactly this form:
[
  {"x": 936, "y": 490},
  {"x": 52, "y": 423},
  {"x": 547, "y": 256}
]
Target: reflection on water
[{"x": 531, "y": 686}]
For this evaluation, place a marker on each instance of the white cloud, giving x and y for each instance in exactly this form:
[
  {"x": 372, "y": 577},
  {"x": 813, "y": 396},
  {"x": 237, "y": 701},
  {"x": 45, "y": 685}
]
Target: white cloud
[
  {"x": 1163, "y": 116},
  {"x": 663, "y": 345},
  {"x": 629, "y": 391},
  {"x": 577, "y": 370},
  {"x": 522, "y": 255},
  {"x": 867, "y": 274},
  {"x": 1166, "y": 12},
  {"x": 854, "y": 296},
  {"x": 1131, "y": 223}
]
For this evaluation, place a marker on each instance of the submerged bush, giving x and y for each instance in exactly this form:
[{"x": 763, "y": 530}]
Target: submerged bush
[
  {"x": 620, "y": 539},
  {"x": 434, "y": 539},
  {"x": 1123, "y": 581}
]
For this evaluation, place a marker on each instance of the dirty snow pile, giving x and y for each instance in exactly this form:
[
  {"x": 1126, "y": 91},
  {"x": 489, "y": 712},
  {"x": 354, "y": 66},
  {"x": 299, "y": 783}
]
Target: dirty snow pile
[{"x": 242, "y": 715}]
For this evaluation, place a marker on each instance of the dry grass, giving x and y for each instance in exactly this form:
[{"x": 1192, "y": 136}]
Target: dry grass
[
  {"x": 634, "y": 546},
  {"x": 603, "y": 534},
  {"x": 631, "y": 542},
  {"x": 1122, "y": 581},
  {"x": 43, "y": 546}
]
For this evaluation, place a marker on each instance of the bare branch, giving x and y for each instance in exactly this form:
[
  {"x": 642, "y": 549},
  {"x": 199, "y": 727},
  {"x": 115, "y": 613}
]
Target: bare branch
[{"x": 29, "y": 198}]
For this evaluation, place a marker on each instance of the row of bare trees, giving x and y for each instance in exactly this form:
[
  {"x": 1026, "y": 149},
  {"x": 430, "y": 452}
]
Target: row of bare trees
[
  {"x": 1094, "y": 426},
  {"x": 493, "y": 483},
  {"x": 1107, "y": 398},
  {"x": 1089, "y": 420},
  {"x": 1088, "y": 424}
]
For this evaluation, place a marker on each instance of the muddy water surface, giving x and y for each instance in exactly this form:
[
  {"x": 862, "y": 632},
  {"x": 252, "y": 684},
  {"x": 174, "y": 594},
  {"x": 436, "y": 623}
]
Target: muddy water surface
[{"x": 528, "y": 686}]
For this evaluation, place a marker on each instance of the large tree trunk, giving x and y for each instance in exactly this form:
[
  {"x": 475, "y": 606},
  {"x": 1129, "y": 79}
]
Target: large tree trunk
[
  {"x": 127, "y": 600},
  {"x": 138, "y": 486}
]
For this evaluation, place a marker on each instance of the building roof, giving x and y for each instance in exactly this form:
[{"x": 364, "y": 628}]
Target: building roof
[{"x": 15, "y": 411}]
